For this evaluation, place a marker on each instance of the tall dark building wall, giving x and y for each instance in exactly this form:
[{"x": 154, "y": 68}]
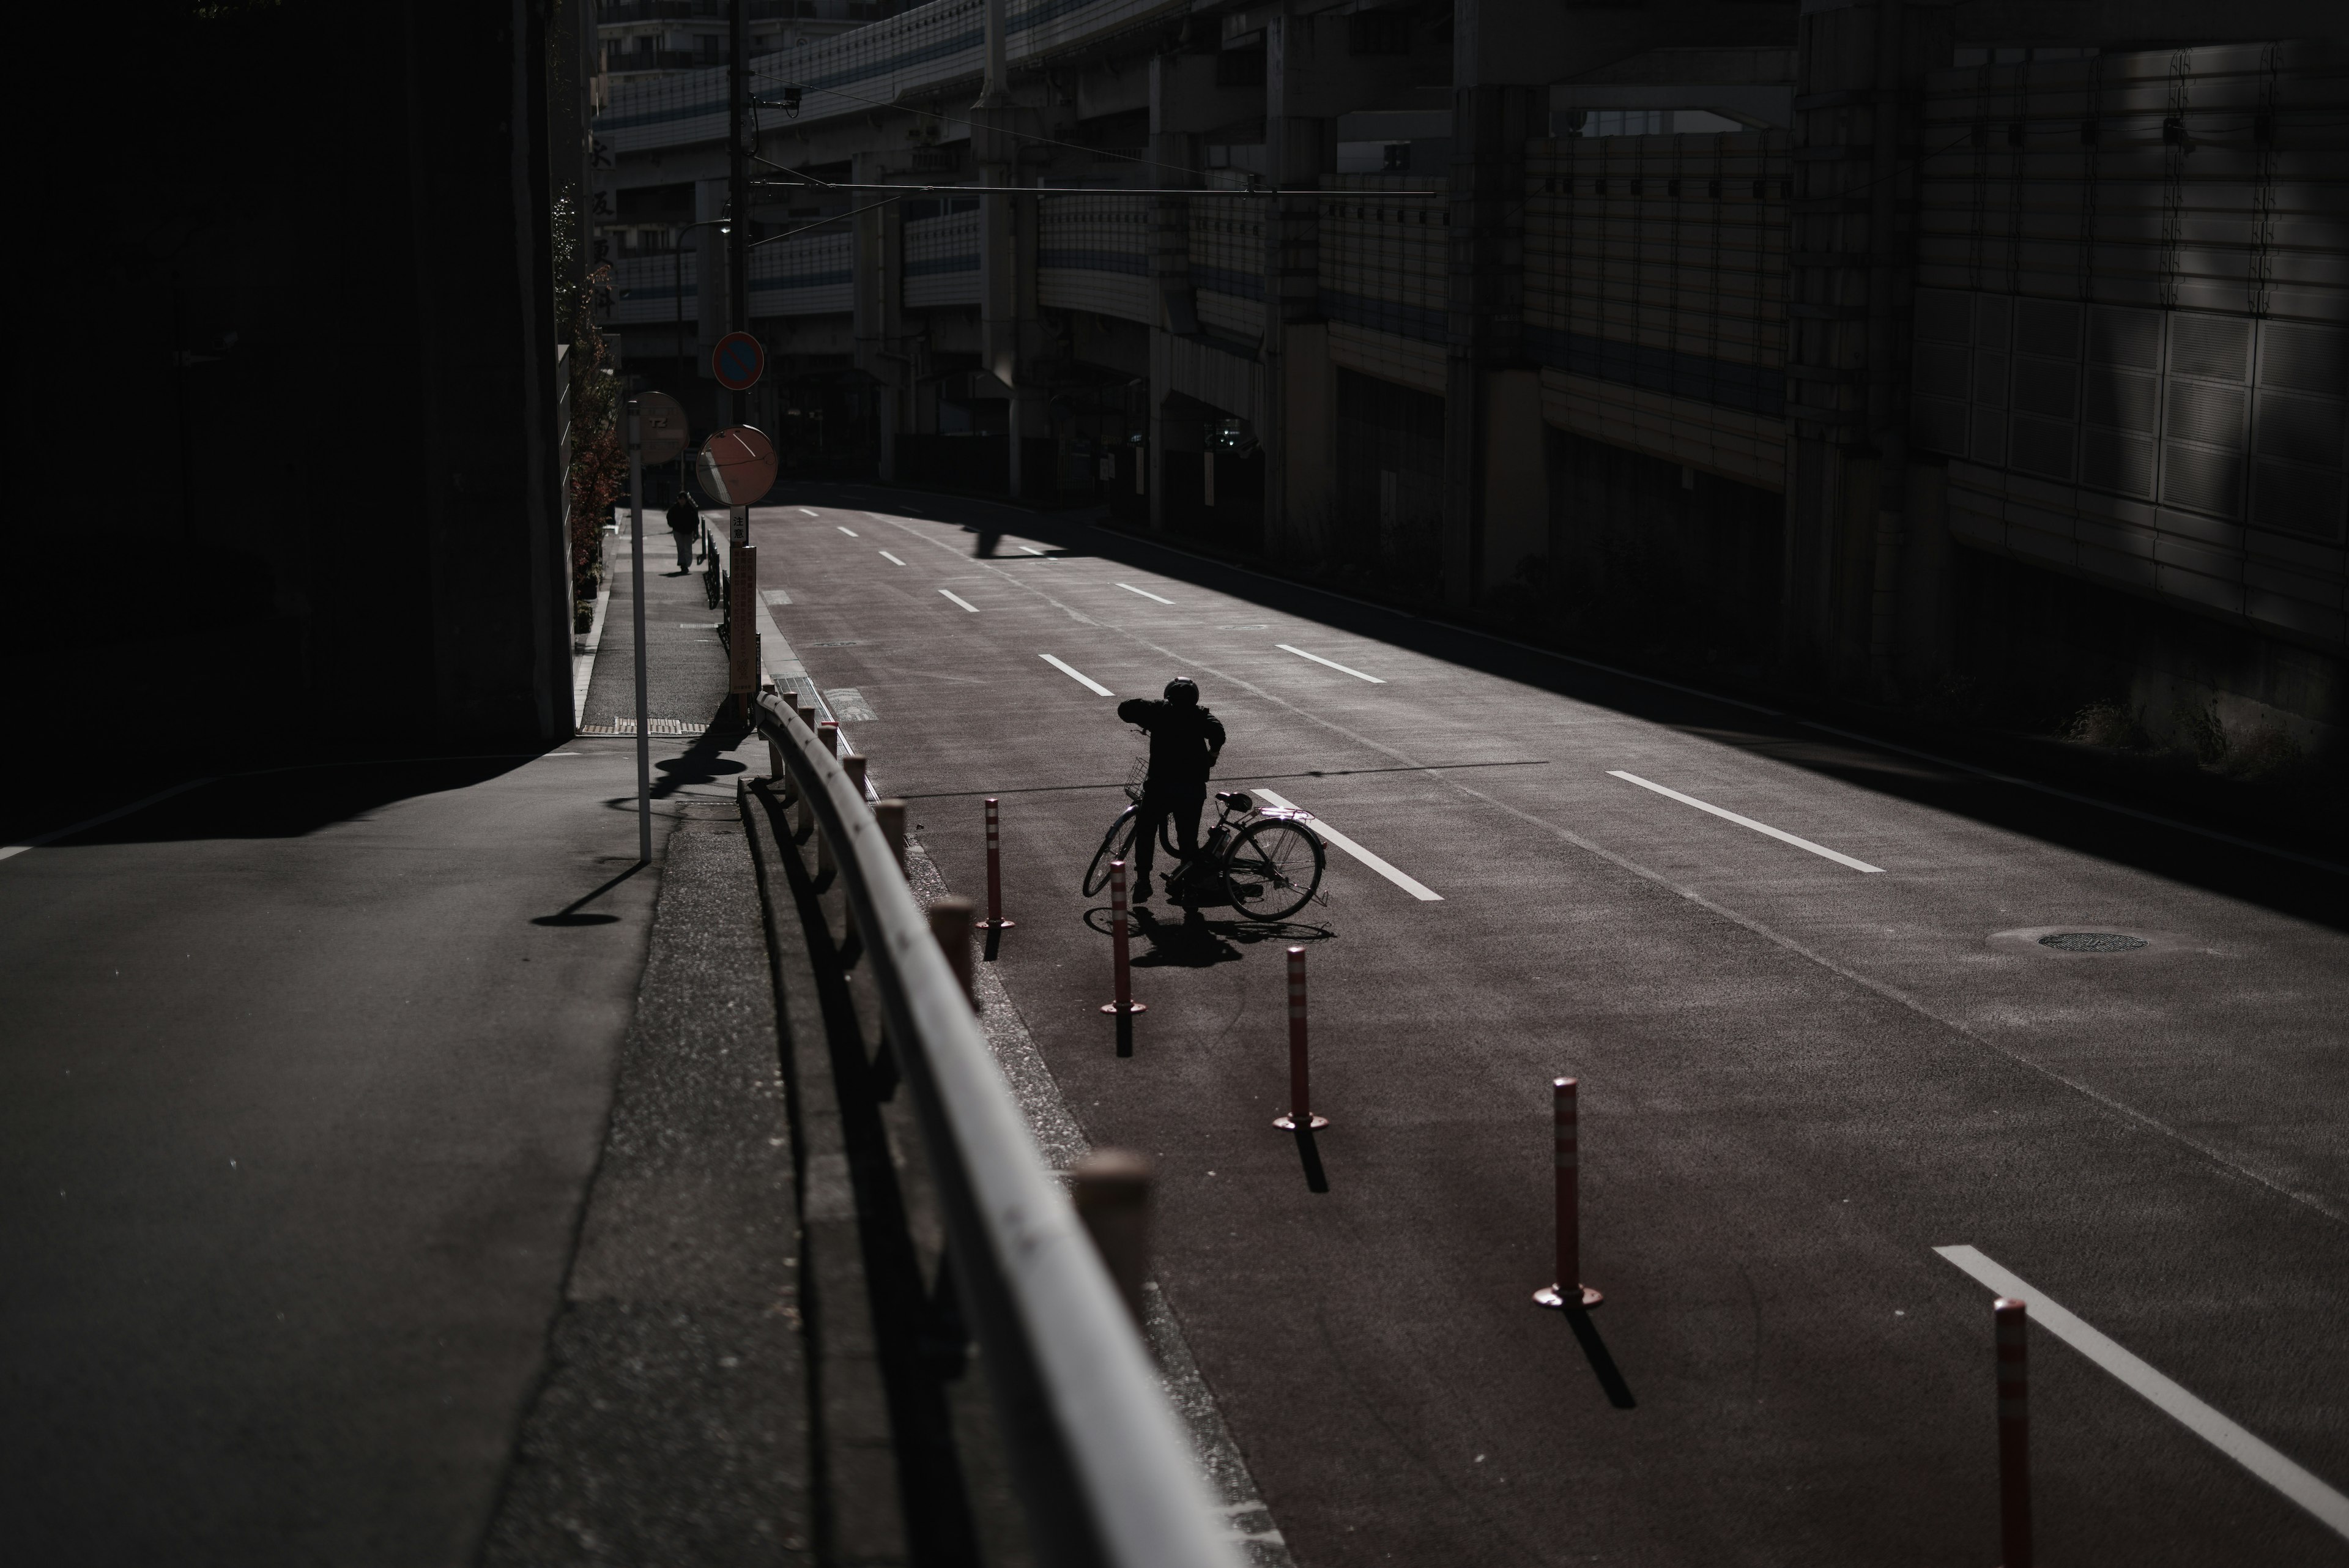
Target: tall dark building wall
[{"x": 294, "y": 371}]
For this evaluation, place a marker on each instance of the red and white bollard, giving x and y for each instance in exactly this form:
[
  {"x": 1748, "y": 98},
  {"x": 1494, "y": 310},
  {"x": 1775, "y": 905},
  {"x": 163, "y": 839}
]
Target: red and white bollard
[
  {"x": 1569, "y": 1290},
  {"x": 1300, "y": 1087},
  {"x": 2013, "y": 1435},
  {"x": 1120, "y": 960},
  {"x": 995, "y": 920}
]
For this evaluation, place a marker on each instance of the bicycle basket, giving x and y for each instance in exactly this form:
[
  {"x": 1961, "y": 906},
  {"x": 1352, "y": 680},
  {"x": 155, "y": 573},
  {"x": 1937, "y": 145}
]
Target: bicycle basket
[{"x": 1136, "y": 775}]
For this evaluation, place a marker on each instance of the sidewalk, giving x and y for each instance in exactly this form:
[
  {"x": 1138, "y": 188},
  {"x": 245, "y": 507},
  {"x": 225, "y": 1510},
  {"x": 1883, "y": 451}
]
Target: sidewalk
[{"x": 304, "y": 1084}]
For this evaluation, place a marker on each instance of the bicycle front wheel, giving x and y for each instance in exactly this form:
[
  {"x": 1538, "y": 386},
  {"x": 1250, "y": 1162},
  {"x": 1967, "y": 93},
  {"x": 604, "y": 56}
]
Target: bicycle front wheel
[
  {"x": 1272, "y": 870},
  {"x": 1117, "y": 844}
]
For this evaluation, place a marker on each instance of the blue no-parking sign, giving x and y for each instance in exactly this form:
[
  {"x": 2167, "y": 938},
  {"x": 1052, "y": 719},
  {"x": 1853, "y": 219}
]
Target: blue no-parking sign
[{"x": 736, "y": 361}]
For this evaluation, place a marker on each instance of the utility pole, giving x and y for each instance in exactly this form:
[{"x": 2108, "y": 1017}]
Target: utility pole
[
  {"x": 737, "y": 182},
  {"x": 999, "y": 266}
]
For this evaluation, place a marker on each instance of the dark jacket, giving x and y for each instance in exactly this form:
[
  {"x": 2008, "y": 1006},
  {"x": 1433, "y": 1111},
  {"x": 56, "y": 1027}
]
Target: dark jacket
[
  {"x": 1183, "y": 741},
  {"x": 684, "y": 518}
]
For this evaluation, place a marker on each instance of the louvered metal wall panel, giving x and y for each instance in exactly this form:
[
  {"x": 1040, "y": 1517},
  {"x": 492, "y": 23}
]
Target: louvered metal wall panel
[
  {"x": 1092, "y": 252},
  {"x": 810, "y": 277},
  {"x": 1222, "y": 380},
  {"x": 1406, "y": 361},
  {"x": 1673, "y": 244},
  {"x": 1748, "y": 448},
  {"x": 645, "y": 288},
  {"x": 1384, "y": 255},
  {"x": 850, "y": 73},
  {"x": 2137, "y": 339},
  {"x": 1227, "y": 260},
  {"x": 1655, "y": 290},
  {"x": 942, "y": 260}
]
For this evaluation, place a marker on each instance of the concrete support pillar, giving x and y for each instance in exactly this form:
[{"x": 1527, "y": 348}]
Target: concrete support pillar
[
  {"x": 1299, "y": 149},
  {"x": 996, "y": 152},
  {"x": 1490, "y": 125},
  {"x": 1174, "y": 159},
  {"x": 1850, "y": 296},
  {"x": 1517, "y": 474},
  {"x": 877, "y": 244},
  {"x": 897, "y": 411}
]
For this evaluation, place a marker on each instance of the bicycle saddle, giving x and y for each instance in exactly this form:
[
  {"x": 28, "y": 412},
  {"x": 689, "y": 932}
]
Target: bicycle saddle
[{"x": 1238, "y": 800}]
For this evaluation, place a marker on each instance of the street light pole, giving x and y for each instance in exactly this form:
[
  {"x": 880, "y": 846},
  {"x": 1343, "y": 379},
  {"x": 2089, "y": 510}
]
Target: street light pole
[
  {"x": 677, "y": 274},
  {"x": 637, "y": 595},
  {"x": 677, "y": 293}
]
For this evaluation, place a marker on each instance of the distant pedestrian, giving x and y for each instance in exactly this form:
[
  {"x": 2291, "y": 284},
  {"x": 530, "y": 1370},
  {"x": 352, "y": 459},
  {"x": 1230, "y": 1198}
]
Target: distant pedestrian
[
  {"x": 1186, "y": 739},
  {"x": 685, "y": 527}
]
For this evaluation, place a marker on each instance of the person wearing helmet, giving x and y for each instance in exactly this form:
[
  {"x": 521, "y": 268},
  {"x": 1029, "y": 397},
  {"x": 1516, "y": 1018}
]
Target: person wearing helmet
[{"x": 1185, "y": 739}]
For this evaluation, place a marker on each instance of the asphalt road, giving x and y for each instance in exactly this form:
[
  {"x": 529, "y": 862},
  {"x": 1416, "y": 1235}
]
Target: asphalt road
[
  {"x": 303, "y": 1071},
  {"x": 1799, "y": 1077}
]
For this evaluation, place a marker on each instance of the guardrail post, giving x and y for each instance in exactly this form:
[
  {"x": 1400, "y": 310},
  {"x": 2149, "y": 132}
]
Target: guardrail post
[
  {"x": 1113, "y": 1199},
  {"x": 891, "y": 815},
  {"x": 805, "y": 708},
  {"x": 1121, "y": 962},
  {"x": 777, "y": 775},
  {"x": 995, "y": 920},
  {"x": 950, "y": 923},
  {"x": 1301, "y": 1114},
  {"x": 827, "y": 739},
  {"x": 2013, "y": 1433},
  {"x": 1569, "y": 1290}
]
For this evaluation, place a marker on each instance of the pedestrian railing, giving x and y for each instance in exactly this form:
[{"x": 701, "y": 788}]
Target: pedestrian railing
[{"x": 1105, "y": 1475}]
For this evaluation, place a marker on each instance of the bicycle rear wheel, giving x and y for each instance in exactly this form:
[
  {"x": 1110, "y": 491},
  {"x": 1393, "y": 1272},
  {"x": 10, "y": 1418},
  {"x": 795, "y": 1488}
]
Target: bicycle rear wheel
[
  {"x": 1272, "y": 870},
  {"x": 1117, "y": 844}
]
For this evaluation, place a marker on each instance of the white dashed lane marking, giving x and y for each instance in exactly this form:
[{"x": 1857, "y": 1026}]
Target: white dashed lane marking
[
  {"x": 1410, "y": 885},
  {"x": 1065, "y": 667},
  {"x": 847, "y": 530},
  {"x": 887, "y": 557},
  {"x": 960, "y": 600},
  {"x": 1333, "y": 663},
  {"x": 1145, "y": 593},
  {"x": 2327, "y": 1505},
  {"x": 1780, "y": 834}
]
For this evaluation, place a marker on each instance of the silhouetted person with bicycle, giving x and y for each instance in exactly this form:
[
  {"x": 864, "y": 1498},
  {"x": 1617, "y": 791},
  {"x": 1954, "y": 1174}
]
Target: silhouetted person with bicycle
[{"x": 1184, "y": 741}]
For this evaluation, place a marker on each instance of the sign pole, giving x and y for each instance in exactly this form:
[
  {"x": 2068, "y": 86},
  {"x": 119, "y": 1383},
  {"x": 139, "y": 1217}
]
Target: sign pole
[
  {"x": 743, "y": 677},
  {"x": 637, "y": 593}
]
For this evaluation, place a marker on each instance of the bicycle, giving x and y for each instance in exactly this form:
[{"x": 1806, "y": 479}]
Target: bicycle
[{"x": 1263, "y": 861}]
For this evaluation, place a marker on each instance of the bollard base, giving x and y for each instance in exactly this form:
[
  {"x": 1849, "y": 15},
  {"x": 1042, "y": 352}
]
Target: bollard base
[
  {"x": 1289, "y": 1122},
  {"x": 995, "y": 925},
  {"x": 1126, "y": 1007},
  {"x": 1550, "y": 1296}
]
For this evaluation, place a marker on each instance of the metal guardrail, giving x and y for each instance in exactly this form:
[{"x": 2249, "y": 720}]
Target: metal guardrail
[{"x": 1105, "y": 1474}]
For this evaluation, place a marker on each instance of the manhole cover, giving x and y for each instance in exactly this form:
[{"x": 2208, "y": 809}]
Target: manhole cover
[{"x": 2092, "y": 942}]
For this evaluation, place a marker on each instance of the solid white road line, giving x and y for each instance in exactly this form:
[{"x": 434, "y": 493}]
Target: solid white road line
[
  {"x": 2329, "y": 1506},
  {"x": 1145, "y": 593},
  {"x": 887, "y": 557},
  {"x": 847, "y": 530},
  {"x": 960, "y": 600},
  {"x": 1779, "y": 833},
  {"x": 89, "y": 823},
  {"x": 1333, "y": 663},
  {"x": 1416, "y": 889},
  {"x": 811, "y": 512},
  {"x": 1065, "y": 667}
]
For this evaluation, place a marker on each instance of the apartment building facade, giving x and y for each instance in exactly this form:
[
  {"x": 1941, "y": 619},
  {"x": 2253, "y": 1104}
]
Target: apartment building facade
[{"x": 1909, "y": 350}]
